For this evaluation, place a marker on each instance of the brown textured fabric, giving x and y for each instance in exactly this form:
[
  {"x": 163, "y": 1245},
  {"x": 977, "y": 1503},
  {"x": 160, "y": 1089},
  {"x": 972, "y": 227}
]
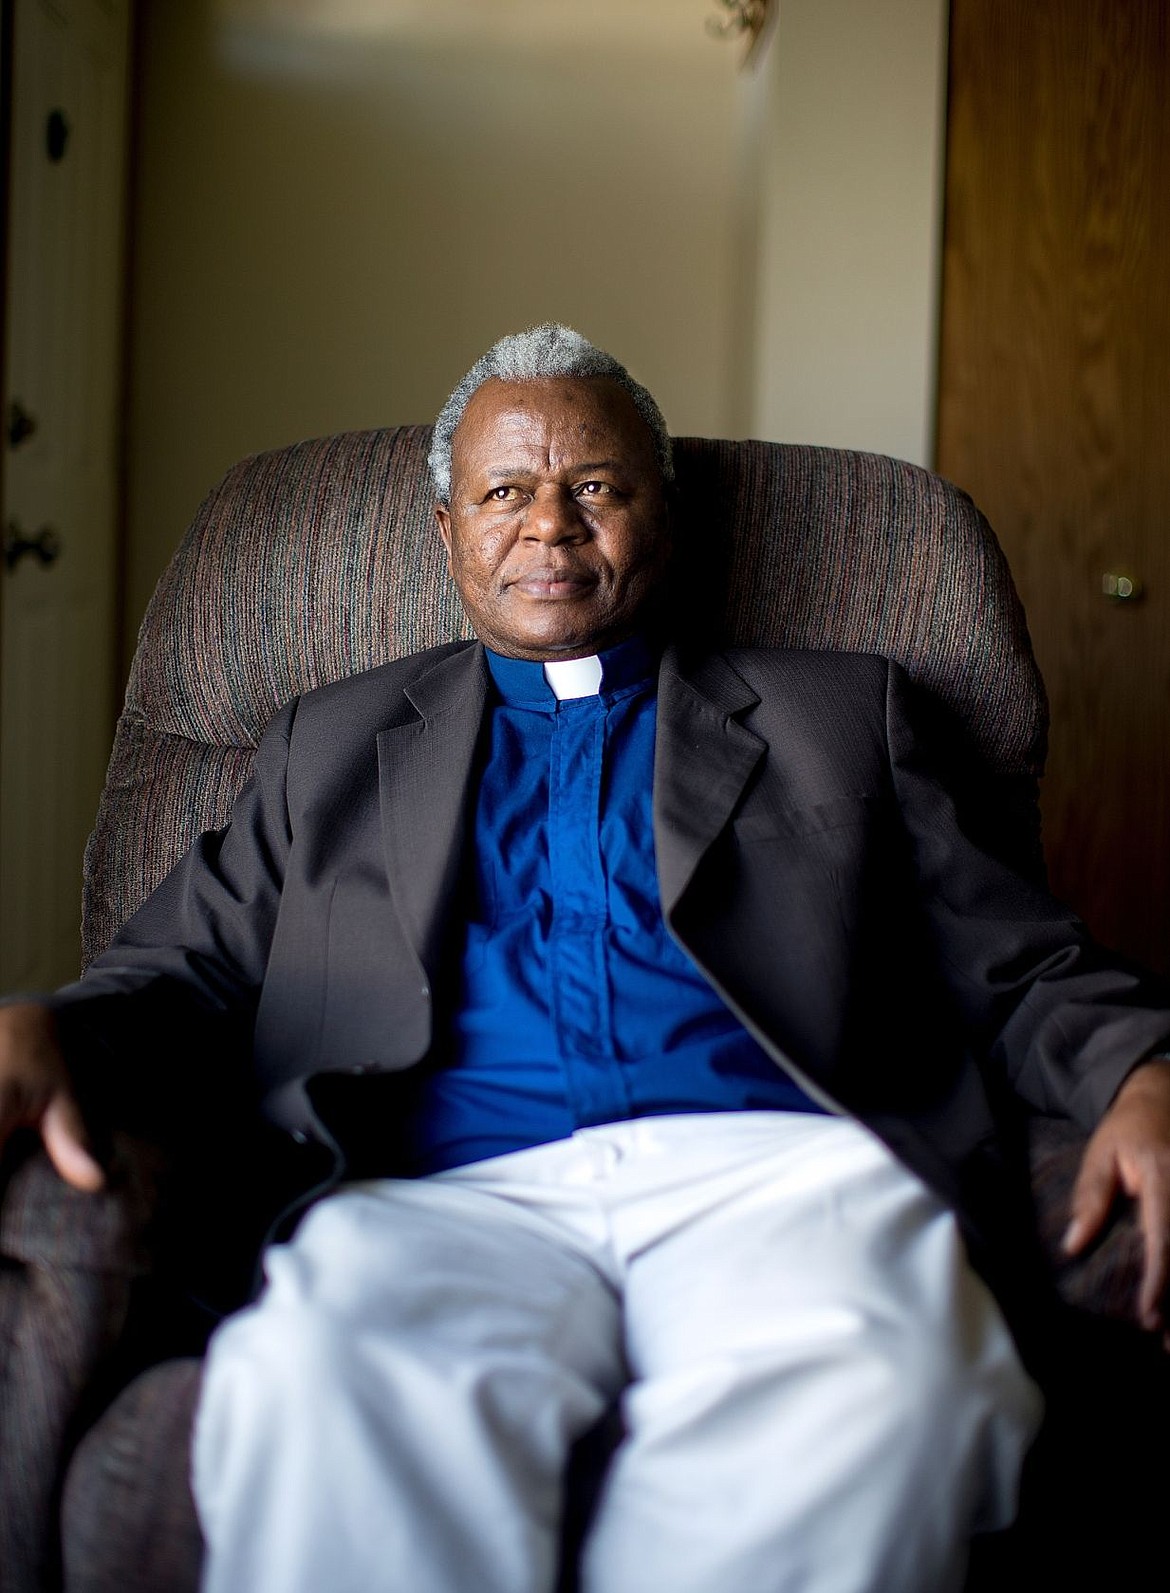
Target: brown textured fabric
[
  {"x": 117, "y": 1534},
  {"x": 55, "y": 1325},
  {"x": 69, "y": 1263},
  {"x": 43, "y": 1222},
  {"x": 162, "y": 792},
  {"x": 853, "y": 552}
]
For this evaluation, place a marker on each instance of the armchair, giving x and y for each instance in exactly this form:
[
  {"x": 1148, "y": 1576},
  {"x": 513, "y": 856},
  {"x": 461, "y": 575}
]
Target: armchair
[{"x": 320, "y": 560}]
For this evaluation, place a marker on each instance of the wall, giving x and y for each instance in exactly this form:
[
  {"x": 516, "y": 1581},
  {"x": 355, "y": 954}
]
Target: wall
[
  {"x": 852, "y": 120},
  {"x": 341, "y": 202},
  {"x": 339, "y": 205}
]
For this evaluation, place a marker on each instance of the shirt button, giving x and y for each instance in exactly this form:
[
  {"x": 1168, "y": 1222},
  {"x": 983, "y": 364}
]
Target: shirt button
[{"x": 299, "y": 1137}]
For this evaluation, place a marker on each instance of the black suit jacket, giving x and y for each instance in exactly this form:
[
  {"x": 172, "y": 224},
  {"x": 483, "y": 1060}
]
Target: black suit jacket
[{"x": 845, "y": 896}]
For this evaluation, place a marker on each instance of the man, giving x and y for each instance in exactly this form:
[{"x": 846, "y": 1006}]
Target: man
[{"x": 664, "y": 957}]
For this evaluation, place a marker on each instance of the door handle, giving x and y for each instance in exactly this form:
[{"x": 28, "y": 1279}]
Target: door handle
[{"x": 1121, "y": 588}]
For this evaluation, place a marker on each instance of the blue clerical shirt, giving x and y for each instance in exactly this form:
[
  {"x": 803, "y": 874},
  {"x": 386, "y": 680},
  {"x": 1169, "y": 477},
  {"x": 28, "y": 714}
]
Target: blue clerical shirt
[{"x": 576, "y": 1006}]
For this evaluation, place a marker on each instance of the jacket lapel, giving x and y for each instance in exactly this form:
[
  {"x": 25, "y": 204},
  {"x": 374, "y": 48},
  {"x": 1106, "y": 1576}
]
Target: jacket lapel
[
  {"x": 703, "y": 760},
  {"x": 425, "y": 770}
]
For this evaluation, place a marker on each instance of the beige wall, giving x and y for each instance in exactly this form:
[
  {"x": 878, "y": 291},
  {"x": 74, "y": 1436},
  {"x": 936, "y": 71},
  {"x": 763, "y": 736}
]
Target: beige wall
[
  {"x": 851, "y": 116},
  {"x": 339, "y": 203}
]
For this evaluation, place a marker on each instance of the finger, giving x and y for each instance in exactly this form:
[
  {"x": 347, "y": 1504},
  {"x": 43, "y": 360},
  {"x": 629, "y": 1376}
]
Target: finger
[
  {"x": 1154, "y": 1212},
  {"x": 1092, "y": 1199},
  {"x": 63, "y": 1133}
]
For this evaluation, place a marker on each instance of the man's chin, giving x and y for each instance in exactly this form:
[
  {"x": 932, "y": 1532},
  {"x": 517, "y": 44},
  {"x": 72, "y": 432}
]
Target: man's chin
[
  {"x": 547, "y": 645},
  {"x": 542, "y": 631},
  {"x": 545, "y": 652}
]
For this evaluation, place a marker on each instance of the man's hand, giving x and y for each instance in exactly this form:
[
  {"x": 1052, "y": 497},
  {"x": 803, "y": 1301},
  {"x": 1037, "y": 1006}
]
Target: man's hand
[
  {"x": 1130, "y": 1154},
  {"x": 35, "y": 1092}
]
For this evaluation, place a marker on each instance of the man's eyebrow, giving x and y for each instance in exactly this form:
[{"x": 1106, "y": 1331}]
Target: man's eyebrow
[{"x": 506, "y": 472}]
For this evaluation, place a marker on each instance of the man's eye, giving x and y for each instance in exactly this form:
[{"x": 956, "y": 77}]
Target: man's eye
[
  {"x": 594, "y": 489},
  {"x": 502, "y": 494}
]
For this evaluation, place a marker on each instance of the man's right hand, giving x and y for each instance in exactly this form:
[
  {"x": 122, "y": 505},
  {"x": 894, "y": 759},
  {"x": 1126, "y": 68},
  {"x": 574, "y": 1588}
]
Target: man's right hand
[{"x": 36, "y": 1092}]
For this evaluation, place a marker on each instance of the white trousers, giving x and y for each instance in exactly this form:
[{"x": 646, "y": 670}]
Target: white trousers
[{"x": 819, "y": 1394}]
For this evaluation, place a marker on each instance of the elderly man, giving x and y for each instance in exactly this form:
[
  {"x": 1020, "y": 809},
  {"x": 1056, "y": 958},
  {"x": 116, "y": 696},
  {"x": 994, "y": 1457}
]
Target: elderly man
[{"x": 671, "y": 967}]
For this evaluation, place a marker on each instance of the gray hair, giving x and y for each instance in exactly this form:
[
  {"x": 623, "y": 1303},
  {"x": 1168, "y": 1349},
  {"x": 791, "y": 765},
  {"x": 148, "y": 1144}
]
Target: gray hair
[{"x": 542, "y": 352}]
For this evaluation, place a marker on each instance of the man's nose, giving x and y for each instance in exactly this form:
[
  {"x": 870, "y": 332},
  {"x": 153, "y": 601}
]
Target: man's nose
[{"x": 553, "y": 516}]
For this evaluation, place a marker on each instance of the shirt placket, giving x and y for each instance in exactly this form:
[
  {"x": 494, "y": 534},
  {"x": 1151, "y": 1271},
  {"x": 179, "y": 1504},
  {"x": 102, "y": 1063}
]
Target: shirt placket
[{"x": 581, "y": 1002}]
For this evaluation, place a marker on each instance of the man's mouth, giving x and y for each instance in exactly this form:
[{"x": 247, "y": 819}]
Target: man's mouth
[{"x": 550, "y": 585}]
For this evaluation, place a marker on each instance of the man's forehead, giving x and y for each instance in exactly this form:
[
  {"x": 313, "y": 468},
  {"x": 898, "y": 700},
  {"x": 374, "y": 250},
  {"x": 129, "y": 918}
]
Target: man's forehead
[{"x": 504, "y": 410}]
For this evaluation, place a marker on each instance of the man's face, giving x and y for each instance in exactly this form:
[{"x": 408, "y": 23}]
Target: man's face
[{"x": 556, "y": 532}]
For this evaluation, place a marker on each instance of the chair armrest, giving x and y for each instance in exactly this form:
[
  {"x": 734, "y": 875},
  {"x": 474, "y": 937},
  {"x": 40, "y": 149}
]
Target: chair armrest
[
  {"x": 45, "y": 1222},
  {"x": 1104, "y": 1280},
  {"x": 68, "y": 1263}
]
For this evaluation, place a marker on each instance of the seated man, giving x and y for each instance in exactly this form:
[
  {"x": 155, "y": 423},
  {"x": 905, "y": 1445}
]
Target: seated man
[{"x": 655, "y": 1001}]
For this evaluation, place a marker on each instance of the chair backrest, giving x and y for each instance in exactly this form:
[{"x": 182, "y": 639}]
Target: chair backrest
[{"x": 319, "y": 560}]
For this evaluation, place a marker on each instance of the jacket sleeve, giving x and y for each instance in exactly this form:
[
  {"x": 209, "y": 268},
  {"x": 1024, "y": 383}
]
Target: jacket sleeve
[
  {"x": 188, "y": 966},
  {"x": 1061, "y": 1018}
]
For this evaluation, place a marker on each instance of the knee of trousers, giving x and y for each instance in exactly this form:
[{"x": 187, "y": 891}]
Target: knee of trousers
[
  {"x": 287, "y": 1386},
  {"x": 289, "y": 1365},
  {"x": 945, "y": 1402},
  {"x": 292, "y": 1349}
]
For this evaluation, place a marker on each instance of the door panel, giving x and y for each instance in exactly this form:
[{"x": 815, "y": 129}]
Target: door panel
[
  {"x": 1054, "y": 406},
  {"x": 62, "y": 368}
]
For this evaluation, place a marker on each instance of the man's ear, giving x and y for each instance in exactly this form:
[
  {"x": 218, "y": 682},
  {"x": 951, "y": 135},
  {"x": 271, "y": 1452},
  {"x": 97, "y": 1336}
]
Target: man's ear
[{"x": 443, "y": 521}]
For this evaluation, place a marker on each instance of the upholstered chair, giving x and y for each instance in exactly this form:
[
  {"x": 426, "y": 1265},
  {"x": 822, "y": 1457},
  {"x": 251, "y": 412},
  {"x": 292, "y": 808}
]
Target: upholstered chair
[{"x": 314, "y": 562}]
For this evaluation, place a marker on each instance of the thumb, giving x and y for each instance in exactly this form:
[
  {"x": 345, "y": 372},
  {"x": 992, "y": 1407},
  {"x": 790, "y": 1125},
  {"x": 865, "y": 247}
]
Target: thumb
[{"x": 66, "y": 1141}]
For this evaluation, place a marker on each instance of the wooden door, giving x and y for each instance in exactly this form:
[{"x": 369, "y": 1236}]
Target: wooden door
[
  {"x": 1054, "y": 406},
  {"x": 60, "y": 440}
]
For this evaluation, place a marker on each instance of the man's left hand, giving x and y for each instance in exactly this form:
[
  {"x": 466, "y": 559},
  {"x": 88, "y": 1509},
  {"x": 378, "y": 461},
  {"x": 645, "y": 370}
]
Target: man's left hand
[{"x": 1130, "y": 1154}]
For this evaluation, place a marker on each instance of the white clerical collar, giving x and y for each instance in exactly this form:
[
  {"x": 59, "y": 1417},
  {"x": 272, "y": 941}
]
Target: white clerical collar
[{"x": 574, "y": 677}]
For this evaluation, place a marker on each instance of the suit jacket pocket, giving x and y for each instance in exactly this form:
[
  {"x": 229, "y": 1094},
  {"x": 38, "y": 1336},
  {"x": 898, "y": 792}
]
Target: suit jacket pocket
[{"x": 760, "y": 823}]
